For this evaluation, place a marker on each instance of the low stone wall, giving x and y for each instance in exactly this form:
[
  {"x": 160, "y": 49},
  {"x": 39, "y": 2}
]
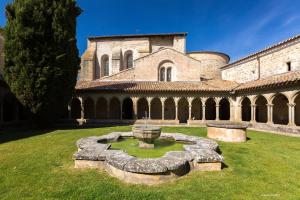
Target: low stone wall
[
  {"x": 281, "y": 129},
  {"x": 227, "y": 132},
  {"x": 199, "y": 154}
]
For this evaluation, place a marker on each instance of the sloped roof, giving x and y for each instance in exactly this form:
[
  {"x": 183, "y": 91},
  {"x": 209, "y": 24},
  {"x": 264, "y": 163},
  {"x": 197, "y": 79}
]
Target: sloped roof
[
  {"x": 285, "y": 79},
  {"x": 288, "y": 78},
  {"x": 262, "y": 51},
  {"x": 154, "y": 86}
]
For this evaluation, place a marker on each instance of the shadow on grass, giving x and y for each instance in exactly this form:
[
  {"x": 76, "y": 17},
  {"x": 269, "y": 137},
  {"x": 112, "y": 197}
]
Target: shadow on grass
[{"x": 9, "y": 134}]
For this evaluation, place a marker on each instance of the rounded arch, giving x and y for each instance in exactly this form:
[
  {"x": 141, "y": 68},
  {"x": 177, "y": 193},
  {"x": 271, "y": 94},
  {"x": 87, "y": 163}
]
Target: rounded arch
[
  {"x": 170, "y": 109},
  {"x": 143, "y": 108},
  {"x": 101, "y": 108},
  {"x": 297, "y": 109},
  {"x": 128, "y": 59},
  {"x": 261, "y": 109},
  {"x": 127, "y": 106},
  {"x": 89, "y": 112},
  {"x": 115, "y": 108},
  {"x": 224, "y": 111},
  {"x": 183, "y": 110},
  {"x": 105, "y": 65},
  {"x": 156, "y": 109},
  {"x": 246, "y": 109},
  {"x": 196, "y": 109},
  {"x": 280, "y": 109},
  {"x": 75, "y": 108},
  {"x": 210, "y": 109},
  {"x": 166, "y": 71}
]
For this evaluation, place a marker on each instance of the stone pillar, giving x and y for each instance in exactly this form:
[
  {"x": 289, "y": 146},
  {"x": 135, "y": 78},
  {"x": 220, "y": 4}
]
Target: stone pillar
[
  {"x": 82, "y": 109},
  {"x": 176, "y": 107},
  {"x": 253, "y": 113},
  {"x": 162, "y": 108},
  {"x": 291, "y": 114},
  {"x": 239, "y": 113},
  {"x": 135, "y": 107},
  {"x": 190, "y": 100},
  {"x": 95, "y": 109},
  {"x": 203, "y": 111},
  {"x": 217, "y": 111},
  {"x": 270, "y": 113},
  {"x": 149, "y": 107}
]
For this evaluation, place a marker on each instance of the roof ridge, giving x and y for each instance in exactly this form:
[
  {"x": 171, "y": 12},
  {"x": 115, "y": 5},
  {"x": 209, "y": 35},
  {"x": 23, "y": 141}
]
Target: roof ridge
[{"x": 263, "y": 50}]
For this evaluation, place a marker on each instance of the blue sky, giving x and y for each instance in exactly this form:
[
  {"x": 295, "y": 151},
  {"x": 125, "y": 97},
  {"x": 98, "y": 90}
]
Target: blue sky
[{"x": 235, "y": 27}]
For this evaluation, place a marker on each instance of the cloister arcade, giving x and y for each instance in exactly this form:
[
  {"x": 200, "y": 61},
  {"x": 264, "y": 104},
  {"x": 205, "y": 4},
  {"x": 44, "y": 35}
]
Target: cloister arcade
[{"x": 270, "y": 108}]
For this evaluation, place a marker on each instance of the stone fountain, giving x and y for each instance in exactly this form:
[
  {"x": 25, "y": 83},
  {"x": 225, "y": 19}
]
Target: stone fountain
[{"x": 146, "y": 134}]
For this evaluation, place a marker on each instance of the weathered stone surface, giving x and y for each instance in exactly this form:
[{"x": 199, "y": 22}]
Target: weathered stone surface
[
  {"x": 126, "y": 134},
  {"x": 87, "y": 142},
  {"x": 182, "y": 155},
  {"x": 104, "y": 154},
  {"x": 172, "y": 163},
  {"x": 114, "y": 136},
  {"x": 146, "y": 166},
  {"x": 228, "y": 134},
  {"x": 119, "y": 160},
  {"x": 206, "y": 156}
]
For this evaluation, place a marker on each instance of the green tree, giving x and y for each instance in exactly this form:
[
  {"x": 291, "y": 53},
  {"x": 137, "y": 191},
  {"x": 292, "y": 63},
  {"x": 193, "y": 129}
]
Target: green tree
[{"x": 41, "y": 56}]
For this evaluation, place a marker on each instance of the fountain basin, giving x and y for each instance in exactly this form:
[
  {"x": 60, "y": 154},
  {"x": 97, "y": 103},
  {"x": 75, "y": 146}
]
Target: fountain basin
[{"x": 146, "y": 135}]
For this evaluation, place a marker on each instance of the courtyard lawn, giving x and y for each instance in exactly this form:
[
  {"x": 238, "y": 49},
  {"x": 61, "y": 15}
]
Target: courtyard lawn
[{"x": 41, "y": 167}]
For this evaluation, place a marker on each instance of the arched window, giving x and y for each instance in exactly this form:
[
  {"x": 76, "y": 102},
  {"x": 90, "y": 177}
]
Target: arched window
[
  {"x": 128, "y": 59},
  {"x": 105, "y": 65},
  {"x": 162, "y": 73},
  {"x": 169, "y": 74}
]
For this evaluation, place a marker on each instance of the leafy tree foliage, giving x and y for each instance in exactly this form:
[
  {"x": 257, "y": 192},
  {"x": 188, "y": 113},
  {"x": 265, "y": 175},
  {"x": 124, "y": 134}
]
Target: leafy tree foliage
[{"x": 41, "y": 56}]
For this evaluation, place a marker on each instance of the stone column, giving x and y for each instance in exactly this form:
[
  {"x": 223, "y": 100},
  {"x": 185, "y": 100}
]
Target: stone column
[
  {"x": 203, "y": 111},
  {"x": 82, "y": 108},
  {"x": 176, "y": 107},
  {"x": 135, "y": 107},
  {"x": 291, "y": 114},
  {"x": 217, "y": 111},
  {"x": 239, "y": 113},
  {"x": 253, "y": 113},
  {"x": 190, "y": 101},
  {"x": 270, "y": 113},
  {"x": 149, "y": 99},
  {"x": 203, "y": 102},
  {"x": 162, "y": 108}
]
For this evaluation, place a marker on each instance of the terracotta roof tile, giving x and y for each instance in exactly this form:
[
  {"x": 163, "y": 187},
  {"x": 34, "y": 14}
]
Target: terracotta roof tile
[
  {"x": 288, "y": 78},
  {"x": 137, "y": 86}
]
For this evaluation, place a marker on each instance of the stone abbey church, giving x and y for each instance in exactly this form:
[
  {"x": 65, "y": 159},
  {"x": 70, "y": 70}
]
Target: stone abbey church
[
  {"x": 127, "y": 78},
  {"x": 130, "y": 78}
]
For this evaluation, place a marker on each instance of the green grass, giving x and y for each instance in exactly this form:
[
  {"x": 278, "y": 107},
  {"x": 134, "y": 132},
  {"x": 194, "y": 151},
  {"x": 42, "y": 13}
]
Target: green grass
[
  {"x": 41, "y": 167},
  {"x": 131, "y": 146}
]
